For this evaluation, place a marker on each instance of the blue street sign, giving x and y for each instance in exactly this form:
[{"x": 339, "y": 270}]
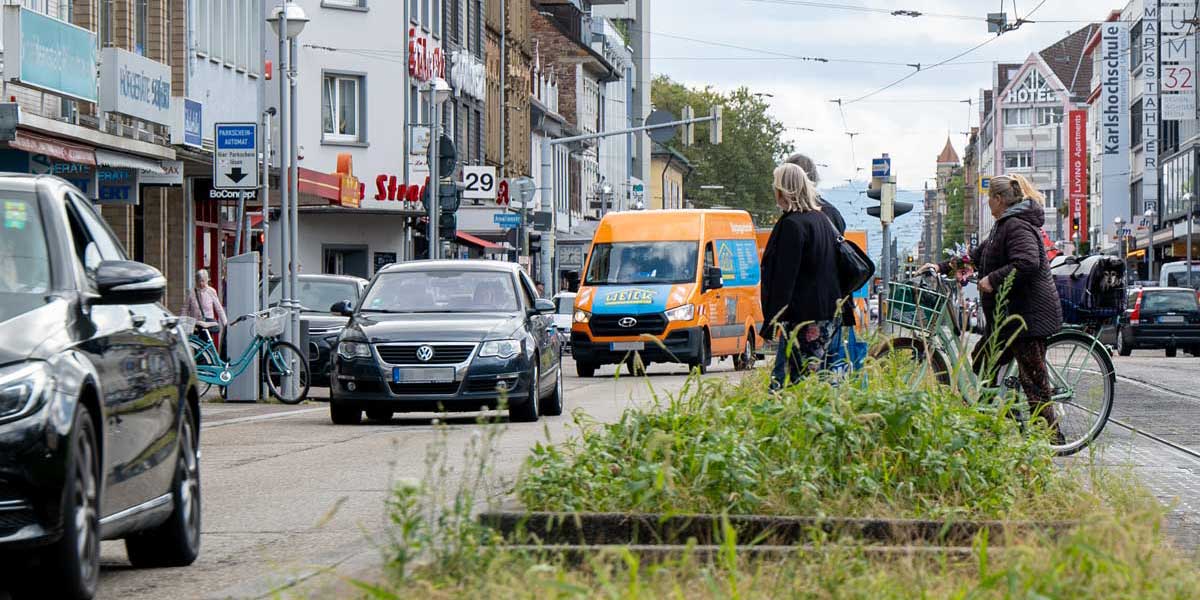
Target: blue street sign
[
  {"x": 881, "y": 167},
  {"x": 235, "y": 156},
  {"x": 506, "y": 220}
]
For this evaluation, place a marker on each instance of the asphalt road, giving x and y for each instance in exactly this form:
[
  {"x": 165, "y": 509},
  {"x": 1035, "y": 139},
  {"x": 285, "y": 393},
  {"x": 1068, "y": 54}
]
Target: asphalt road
[
  {"x": 288, "y": 496},
  {"x": 294, "y": 504}
]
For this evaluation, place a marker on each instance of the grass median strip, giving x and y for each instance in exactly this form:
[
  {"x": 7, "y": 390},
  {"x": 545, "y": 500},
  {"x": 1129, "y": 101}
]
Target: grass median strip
[{"x": 846, "y": 490}]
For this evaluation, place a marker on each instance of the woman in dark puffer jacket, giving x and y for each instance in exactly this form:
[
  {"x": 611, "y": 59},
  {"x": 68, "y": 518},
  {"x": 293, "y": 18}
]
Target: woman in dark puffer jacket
[{"x": 1015, "y": 246}]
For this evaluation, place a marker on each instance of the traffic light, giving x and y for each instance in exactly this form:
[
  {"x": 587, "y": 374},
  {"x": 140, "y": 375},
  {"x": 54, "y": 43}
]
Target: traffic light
[
  {"x": 447, "y": 225},
  {"x": 885, "y": 193},
  {"x": 716, "y": 127},
  {"x": 689, "y": 129},
  {"x": 447, "y": 156}
]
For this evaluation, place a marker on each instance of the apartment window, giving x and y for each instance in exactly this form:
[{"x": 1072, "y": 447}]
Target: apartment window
[
  {"x": 454, "y": 22},
  {"x": 1135, "y": 45},
  {"x": 425, "y": 14},
  {"x": 1047, "y": 160},
  {"x": 414, "y": 10},
  {"x": 216, "y": 44},
  {"x": 344, "y": 3},
  {"x": 436, "y": 25},
  {"x": 202, "y": 26},
  {"x": 477, "y": 136},
  {"x": 342, "y": 108},
  {"x": 1049, "y": 115},
  {"x": 1018, "y": 160},
  {"x": 106, "y": 23},
  {"x": 1135, "y": 124},
  {"x": 233, "y": 38},
  {"x": 141, "y": 16},
  {"x": 1017, "y": 117}
]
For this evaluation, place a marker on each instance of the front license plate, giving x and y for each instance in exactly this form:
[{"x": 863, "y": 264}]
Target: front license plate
[
  {"x": 627, "y": 346},
  {"x": 422, "y": 375},
  {"x": 1171, "y": 319}
]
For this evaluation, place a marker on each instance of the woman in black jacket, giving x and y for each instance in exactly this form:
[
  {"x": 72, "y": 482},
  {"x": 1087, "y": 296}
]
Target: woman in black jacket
[
  {"x": 1015, "y": 249},
  {"x": 800, "y": 289}
]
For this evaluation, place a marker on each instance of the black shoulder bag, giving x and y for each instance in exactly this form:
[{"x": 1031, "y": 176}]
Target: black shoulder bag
[{"x": 854, "y": 267}]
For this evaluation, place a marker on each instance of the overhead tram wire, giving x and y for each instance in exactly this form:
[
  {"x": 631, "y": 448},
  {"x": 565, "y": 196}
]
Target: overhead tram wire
[{"x": 870, "y": 9}]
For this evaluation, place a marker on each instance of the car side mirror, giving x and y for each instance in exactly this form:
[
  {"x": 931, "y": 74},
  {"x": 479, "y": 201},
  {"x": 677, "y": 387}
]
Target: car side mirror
[
  {"x": 128, "y": 282},
  {"x": 543, "y": 306},
  {"x": 344, "y": 308},
  {"x": 713, "y": 279}
]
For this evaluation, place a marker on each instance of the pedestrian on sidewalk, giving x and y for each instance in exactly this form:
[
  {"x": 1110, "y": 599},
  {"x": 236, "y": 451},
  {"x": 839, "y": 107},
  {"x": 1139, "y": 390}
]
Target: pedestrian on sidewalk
[
  {"x": 204, "y": 306},
  {"x": 846, "y": 303},
  {"x": 800, "y": 290},
  {"x": 1015, "y": 245}
]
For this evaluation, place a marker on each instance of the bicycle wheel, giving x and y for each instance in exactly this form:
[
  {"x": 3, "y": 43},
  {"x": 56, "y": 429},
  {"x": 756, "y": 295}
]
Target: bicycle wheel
[
  {"x": 933, "y": 363},
  {"x": 203, "y": 357},
  {"x": 283, "y": 359},
  {"x": 1083, "y": 380}
]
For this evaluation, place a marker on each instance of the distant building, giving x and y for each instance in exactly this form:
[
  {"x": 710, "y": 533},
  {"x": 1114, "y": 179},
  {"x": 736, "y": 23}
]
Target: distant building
[{"x": 669, "y": 170}]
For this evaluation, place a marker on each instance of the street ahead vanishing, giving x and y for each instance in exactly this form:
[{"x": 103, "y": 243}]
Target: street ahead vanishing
[{"x": 295, "y": 504}]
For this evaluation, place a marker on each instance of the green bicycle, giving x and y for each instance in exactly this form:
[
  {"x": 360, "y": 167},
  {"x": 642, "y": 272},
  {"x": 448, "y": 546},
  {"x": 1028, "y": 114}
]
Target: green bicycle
[
  {"x": 279, "y": 359},
  {"x": 1080, "y": 367}
]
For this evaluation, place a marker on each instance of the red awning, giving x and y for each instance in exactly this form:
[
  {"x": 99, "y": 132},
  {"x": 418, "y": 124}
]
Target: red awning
[
  {"x": 65, "y": 151},
  {"x": 476, "y": 241},
  {"x": 327, "y": 186}
]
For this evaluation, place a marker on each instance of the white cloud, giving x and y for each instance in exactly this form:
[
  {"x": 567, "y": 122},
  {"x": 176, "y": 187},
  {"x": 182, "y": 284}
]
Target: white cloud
[{"x": 912, "y": 133}]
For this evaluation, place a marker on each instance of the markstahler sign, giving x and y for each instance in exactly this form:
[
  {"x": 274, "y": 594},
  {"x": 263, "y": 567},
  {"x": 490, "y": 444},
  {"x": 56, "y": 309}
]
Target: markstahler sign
[{"x": 134, "y": 85}]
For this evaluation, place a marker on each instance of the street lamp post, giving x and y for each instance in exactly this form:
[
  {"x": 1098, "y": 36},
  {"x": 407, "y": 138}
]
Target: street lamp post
[
  {"x": 439, "y": 91},
  {"x": 288, "y": 20},
  {"x": 1190, "y": 200},
  {"x": 1150, "y": 215}
]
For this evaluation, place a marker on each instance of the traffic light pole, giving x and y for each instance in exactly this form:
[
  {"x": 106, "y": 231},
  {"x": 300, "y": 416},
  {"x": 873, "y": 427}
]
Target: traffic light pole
[{"x": 435, "y": 178}]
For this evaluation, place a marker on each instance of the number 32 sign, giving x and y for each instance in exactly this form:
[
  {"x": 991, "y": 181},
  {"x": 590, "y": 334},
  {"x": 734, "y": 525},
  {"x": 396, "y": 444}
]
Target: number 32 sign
[{"x": 479, "y": 183}]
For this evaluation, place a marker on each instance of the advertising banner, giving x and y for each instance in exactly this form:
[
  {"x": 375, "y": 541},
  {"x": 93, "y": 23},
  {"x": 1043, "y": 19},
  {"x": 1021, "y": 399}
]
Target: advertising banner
[
  {"x": 1114, "y": 123},
  {"x": 1150, "y": 102},
  {"x": 48, "y": 54},
  {"x": 1077, "y": 173},
  {"x": 134, "y": 85}
]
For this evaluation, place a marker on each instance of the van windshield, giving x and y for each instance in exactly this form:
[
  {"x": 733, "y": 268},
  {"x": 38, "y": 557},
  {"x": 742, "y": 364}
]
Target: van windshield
[{"x": 642, "y": 263}]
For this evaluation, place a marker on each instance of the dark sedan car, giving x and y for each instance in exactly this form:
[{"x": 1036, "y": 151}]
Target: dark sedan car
[
  {"x": 448, "y": 335},
  {"x": 1160, "y": 318},
  {"x": 319, "y": 296},
  {"x": 99, "y": 415}
]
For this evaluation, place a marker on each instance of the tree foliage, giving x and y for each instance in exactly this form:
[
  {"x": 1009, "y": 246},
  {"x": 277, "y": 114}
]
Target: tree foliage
[
  {"x": 752, "y": 147},
  {"x": 954, "y": 228}
]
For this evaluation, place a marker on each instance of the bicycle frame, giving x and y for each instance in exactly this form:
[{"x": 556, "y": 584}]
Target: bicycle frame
[{"x": 221, "y": 372}]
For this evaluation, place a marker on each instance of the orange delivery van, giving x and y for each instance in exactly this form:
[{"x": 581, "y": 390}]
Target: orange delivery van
[{"x": 678, "y": 286}]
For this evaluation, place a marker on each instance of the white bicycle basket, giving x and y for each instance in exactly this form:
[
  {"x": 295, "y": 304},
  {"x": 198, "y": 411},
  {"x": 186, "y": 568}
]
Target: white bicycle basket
[
  {"x": 270, "y": 323},
  {"x": 187, "y": 326}
]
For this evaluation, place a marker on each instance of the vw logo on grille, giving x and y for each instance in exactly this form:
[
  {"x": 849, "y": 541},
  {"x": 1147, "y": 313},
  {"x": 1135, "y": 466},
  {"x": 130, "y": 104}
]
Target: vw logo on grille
[
  {"x": 425, "y": 353},
  {"x": 627, "y": 322}
]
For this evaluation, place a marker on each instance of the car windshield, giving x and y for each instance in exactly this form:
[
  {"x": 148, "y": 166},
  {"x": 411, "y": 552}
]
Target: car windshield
[
  {"x": 24, "y": 254},
  {"x": 566, "y": 304},
  {"x": 318, "y": 295},
  {"x": 1170, "y": 301},
  {"x": 454, "y": 291},
  {"x": 643, "y": 262},
  {"x": 1177, "y": 276}
]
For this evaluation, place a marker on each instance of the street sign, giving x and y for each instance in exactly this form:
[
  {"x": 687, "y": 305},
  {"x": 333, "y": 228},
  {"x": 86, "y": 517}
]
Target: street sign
[
  {"x": 881, "y": 167},
  {"x": 985, "y": 184},
  {"x": 507, "y": 220},
  {"x": 521, "y": 192},
  {"x": 235, "y": 156},
  {"x": 479, "y": 183}
]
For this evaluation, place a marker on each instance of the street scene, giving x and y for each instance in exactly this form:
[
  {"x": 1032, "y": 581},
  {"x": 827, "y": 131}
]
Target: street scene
[{"x": 599, "y": 298}]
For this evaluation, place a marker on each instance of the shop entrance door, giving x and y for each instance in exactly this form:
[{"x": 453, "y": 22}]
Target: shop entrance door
[{"x": 346, "y": 260}]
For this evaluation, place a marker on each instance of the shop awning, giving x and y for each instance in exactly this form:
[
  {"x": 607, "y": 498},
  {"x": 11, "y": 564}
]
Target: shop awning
[
  {"x": 478, "y": 242},
  {"x": 108, "y": 158},
  {"x": 39, "y": 144}
]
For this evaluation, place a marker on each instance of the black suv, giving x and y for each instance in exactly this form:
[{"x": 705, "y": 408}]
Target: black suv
[
  {"x": 1160, "y": 318},
  {"x": 99, "y": 416},
  {"x": 321, "y": 297}
]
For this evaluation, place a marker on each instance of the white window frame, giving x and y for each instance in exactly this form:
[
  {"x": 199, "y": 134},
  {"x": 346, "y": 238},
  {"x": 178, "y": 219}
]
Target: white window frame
[
  {"x": 216, "y": 46},
  {"x": 1025, "y": 114},
  {"x": 359, "y": 135},
  {"x": 1048, "y": 115},
  {"x": 232, "y": 42},
  {"x": 1026, "y": 155},
  {"x": 436, "y": 18},
  {"x": 351, "y": 4},
  {"x": 202, "y": 26}
]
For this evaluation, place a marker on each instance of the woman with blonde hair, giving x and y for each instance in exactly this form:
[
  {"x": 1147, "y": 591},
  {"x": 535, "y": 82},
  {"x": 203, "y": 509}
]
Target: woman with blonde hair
[
  {"x": 800, "y": 288},
  {"x": 1015, "y": 249}
]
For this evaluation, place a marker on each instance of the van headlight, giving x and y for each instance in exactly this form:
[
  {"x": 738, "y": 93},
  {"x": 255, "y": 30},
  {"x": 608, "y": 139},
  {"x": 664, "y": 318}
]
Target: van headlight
[
  {"x": 582, "y": 316},
  {"x": 500, "y": 348},
  {"x": 350, "y": 350},
  {"x": 23, "y": 388},
  {"x": 687, "y": 312}
]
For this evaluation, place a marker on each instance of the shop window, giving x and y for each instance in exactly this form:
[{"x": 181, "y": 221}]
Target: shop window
[{"x": 342, "y": 105}]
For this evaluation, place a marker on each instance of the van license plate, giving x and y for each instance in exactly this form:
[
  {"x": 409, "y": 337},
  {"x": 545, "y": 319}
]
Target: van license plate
[
  {"x": 1171, "y": 319},
  {"x": 422, "y": 375},
  {"x": 627, "y": 346}
]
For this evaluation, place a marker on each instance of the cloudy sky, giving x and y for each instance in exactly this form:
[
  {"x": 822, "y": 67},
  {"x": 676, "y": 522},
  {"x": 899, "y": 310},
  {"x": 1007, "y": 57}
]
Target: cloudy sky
[{"x": 910, "y": 121}]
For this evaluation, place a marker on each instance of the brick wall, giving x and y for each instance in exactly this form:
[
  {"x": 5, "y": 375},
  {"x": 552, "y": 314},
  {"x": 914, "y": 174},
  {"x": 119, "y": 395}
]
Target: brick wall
[
  {"x": 178, "y": 51},
  {"x": 120, "y": 218},
  {"x": 175, "y": 266},
  {"x": 557, "y": 52}
]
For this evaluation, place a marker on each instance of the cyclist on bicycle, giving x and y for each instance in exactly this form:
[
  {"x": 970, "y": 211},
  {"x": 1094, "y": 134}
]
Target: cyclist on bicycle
[{"x": 1015, "y": 245}]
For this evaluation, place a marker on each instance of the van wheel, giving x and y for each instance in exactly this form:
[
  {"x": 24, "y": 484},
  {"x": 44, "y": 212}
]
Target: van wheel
[
  {"x": 1172, "y": 352},
  {"x": 745, "y": 360},
  {"x": 701, "y": 364},
  {"x": 585, "y": 370}
]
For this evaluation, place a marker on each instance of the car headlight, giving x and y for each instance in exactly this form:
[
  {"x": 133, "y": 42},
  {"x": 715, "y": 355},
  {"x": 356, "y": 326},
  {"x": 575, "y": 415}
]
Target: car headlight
[
  {"x": 582, "y": 316},
  {"x": 501, "y": 348},
  {"x": 354, "y": 350},
  {"x": 23, "y": 388},
  {"x": 687, "y": 312}
]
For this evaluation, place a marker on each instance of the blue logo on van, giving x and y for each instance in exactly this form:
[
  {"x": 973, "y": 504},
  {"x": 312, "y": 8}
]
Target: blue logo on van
[{"x": 630, "y": 299}]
